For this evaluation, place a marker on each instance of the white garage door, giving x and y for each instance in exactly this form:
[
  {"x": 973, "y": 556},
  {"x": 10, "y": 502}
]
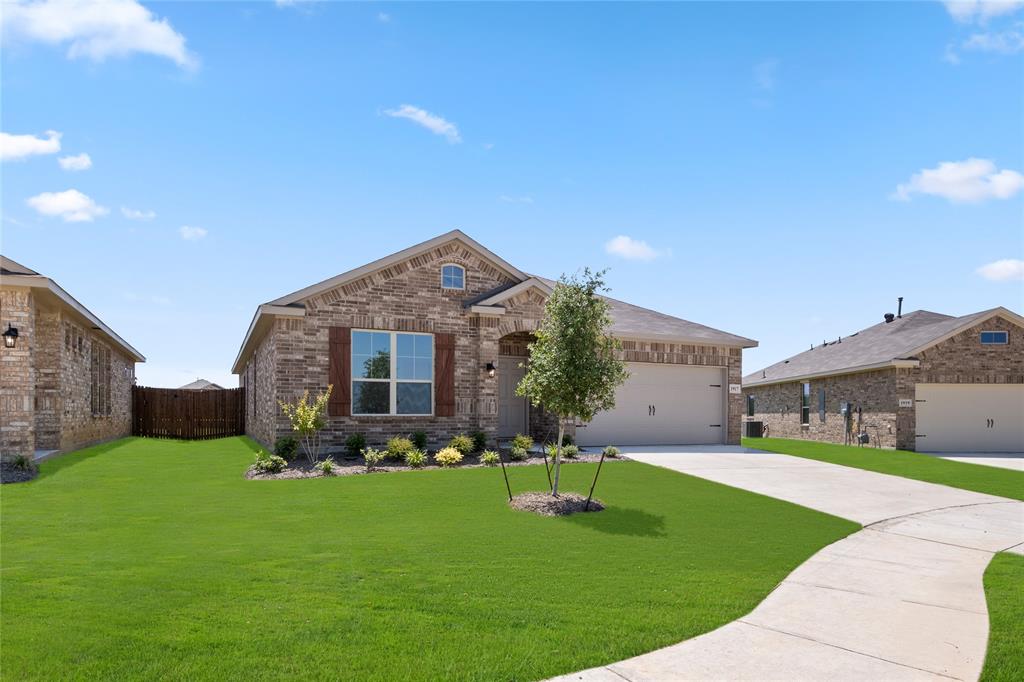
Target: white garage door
[
  {"x": 662, "y": 405},
  {"x": 970, "y": 417}
]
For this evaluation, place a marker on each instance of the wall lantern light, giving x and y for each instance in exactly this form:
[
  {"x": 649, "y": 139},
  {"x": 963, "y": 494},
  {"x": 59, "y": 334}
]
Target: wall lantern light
[
  {"x": 10, "y": 336},
  {"x": 490, "y": 365}
]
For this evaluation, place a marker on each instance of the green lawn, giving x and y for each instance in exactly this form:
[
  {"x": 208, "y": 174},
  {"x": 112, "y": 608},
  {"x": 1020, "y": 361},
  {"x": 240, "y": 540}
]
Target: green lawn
[
  {"x": 148, "y": 559},
  {"x": 1004, "y": 592},
  {"x": 976, "y": 477}
]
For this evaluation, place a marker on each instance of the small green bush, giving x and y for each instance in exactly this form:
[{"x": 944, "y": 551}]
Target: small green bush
[
  {"x": 523, "y": 442},
  {"x": 373, "y": 457},
  {"x": 518, "y": 454},
  {"x": 449, "y": 456},
  {"x": 267, "y": 463},
  {"x": 570, "y": 451},
  {"x": 566, "y": 440},
  {"x": 24, "y": 463},
  {"x": 611, "y": 451},
  {"x": 551, "y": 450},
  {"x": 489, "y": 458},
  {"x": 398, "y": 446},
  {"x": 462, "y": 443},
  {"x": 286, "y": 447},
  {"x": 415, "y": 458},
  {"x": 419, "y": 439},
  {"x": 355, "y": 444},
  {"x": 325, "y": 466},
  {"x": 479, "y": 441}
]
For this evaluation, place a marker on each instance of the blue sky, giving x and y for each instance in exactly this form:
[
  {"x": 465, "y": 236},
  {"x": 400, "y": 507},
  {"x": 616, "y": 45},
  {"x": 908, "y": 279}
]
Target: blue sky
[{"x": 790, "y": 168}]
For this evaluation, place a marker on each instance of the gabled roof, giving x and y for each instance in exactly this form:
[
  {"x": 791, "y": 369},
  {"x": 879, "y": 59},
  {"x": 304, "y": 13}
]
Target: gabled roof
[
  {"x": 13, "y": 273},
  {"x": 886, "y": 344},
  {"x": 200, "y": 385}
]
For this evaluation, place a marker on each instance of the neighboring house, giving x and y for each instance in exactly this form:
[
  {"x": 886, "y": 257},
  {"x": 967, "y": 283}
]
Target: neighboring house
[
  {"x": 432, "y": 338},
  {"x": 201, "y": 385},
  {"x": 67, "y": 381},
  {"x": 921, "y": 381}
]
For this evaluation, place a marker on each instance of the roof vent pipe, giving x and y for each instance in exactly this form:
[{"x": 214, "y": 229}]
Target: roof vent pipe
[
  {"x": 899, "y": 307},
  {"x": 889, "y": 317}
]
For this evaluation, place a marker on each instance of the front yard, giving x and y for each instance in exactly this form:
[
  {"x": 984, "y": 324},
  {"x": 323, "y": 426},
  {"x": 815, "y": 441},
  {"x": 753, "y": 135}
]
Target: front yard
[
  {"x": 148, "y": 559},
  {"x": 920, "y": 467}
]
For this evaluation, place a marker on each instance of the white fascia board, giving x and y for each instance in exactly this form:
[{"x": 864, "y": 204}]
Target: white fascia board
[{"x": 258, "y": 327}]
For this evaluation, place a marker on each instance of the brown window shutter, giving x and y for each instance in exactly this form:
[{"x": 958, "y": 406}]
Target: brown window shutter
[
  {"x": 444, "y": 375},
  {"x": 339, "y": 374}
]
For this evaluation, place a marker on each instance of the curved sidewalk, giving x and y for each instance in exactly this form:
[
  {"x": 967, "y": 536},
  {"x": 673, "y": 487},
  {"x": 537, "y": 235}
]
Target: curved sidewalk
[{"x": 901, "y": 599}]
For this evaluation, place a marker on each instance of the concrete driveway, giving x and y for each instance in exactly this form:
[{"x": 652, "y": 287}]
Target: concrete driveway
[
  {"x": 1005, "y": 460},
  {"x": 901, "y": 599}
]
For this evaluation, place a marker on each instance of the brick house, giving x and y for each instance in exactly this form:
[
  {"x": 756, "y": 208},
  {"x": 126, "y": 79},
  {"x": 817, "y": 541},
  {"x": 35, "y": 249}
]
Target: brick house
[
  {"x": 432, "y": 339},
  {"x": 921, "y": 381},
  {"x": 67, "y": 381}
]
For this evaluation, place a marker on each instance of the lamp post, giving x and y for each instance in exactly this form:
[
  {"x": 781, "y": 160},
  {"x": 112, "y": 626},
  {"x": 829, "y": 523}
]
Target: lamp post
[{"x": 10, "y": 336}]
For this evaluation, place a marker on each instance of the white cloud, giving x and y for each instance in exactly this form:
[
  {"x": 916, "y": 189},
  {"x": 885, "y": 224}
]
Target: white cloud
[
  {"x": 80, "y": 162},
  {"x": 967, "y": 11},
  {"x": 765, "y": 74},
  {"x": 383, "y": 17},
  {"x": 71, "y": 205},
  {"x": 967, "y": 181},
  {"x": 191, "y": 234},
  {"x": 135, "y": 214},
  {"x": 1006, "y": 270},
  {"x": 431, "y": 122},
  {"x": 630, "y": 249},
  {"x": 17, "y": 147},
  {"x": 96, "y": 29},
  {"x": 1010, "y": 41},
  {"x": 515, "y": 200}
]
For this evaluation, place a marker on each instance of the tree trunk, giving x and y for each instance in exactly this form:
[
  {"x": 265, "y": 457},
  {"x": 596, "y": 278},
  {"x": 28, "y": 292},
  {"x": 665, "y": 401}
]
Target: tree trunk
[{"x": 558, "y": 457}]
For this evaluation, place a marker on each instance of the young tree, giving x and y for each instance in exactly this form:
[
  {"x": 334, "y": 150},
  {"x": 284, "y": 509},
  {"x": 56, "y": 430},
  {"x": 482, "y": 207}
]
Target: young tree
[
  {"x": 573, "y": 369},
  {"x": 307, "y": 419}
]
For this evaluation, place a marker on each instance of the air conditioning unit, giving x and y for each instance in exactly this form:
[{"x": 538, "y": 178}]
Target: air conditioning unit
[{"x": 753, "y": 429}]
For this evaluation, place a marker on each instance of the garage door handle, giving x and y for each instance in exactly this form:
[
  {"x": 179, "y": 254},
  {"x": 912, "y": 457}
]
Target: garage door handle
[{"x": 715, "y": 426}]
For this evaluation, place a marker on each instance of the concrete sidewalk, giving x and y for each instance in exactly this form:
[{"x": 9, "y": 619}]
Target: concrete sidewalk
[{"x": 901, "y": 599}]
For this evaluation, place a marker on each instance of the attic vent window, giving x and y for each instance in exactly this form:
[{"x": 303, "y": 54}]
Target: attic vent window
[
  {"x": 995, "y": 338},
  {"x": 453, "y": 277}
]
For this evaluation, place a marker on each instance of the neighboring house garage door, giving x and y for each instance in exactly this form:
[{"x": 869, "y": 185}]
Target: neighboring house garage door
[
  {"x": 662, "y": 405},
  {"x": 970, "y": 417}
]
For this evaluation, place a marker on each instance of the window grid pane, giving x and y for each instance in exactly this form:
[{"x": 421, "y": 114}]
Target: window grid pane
[{"x": 392, "y": 373}]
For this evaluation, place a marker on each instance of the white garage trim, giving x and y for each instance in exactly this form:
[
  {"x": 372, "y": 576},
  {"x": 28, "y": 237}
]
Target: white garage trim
[
  {"x": 663, "y": 404},
  {"x": 969, "y": 417}
]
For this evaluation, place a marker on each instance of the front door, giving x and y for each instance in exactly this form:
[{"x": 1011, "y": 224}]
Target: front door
[{"x": 512, "y": 409}]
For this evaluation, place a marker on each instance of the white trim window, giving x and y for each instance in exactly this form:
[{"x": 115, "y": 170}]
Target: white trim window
[
  {"x": 453, "y": 276},
  {"x": 392, "y": 373},
  {"x": 995, "y": 338}
]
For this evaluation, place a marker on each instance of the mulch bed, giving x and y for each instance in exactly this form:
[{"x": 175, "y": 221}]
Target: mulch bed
[
  {"x": 12, "y": 474},
  {"x": 547, "y": 505},
  {"x": 301, "y": 468}
]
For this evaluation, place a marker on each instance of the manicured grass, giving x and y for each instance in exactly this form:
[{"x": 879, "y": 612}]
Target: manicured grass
[
  {"x": 149, "y": 559},
  {"x": 976, "y": 477},
  {"x": 1004, "y": 592}
]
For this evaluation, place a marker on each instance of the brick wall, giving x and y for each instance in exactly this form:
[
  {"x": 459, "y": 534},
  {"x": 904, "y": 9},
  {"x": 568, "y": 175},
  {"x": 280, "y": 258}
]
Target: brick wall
[
  {"x": 49, "y": 338},
  {"x": 17, "y": 375},
  {"x": 871, "y": 394}
]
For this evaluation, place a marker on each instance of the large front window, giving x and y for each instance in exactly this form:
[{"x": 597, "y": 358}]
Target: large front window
[{"x": 392, "y": 373}]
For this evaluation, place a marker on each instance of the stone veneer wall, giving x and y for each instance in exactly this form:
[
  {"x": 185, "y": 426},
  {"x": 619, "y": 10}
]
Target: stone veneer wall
[
  {"x": 17, "y": 375},
  {"x": 871, "y": 394}
]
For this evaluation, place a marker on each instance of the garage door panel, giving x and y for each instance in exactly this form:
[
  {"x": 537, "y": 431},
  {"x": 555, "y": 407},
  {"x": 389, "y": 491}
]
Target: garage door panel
[
  {"x": 970, "y": 417},
  {"x": 662, "y": 405}
]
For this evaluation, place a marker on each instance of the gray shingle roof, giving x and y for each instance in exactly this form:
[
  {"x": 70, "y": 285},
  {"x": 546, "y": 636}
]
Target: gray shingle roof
[
  {"x": 200, "y": 385},
  {"x": 12, "y": 267},
  {"x": 881, "y": 343}
]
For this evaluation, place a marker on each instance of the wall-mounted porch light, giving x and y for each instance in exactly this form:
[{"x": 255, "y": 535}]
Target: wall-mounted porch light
[
  {"x": 490, "y": 366},
  {"x": 10, "y": 336}
]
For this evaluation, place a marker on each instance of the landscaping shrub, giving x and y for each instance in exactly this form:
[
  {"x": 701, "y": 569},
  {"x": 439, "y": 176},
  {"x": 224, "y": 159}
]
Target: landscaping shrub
[
  {"x": 398, "y": 447},
  {"x": 523, "y": 442},
  {"x": 286, "y": 447},
  {"x": 449, "y": 455},
  {"x": 373, "y": 457},
  {"x": 611, "y": 451},
  {"x": 551, "y": 450},
  {"x": 326, "y": 467},
  {"x": 267, "y": 463},
  {"x": 307, "y": 419},
  {"x": 355, "y": 444},
  {"x": 570, "y": 451},
  {"x": 566, "y": 440},
  {"x": 415, "y": 458},
  {"x": 419, "y": 439},
  {"x": 24, "y": 463},
  {"x": 518, "y": 454},
  {"x": 489, "y": 458},
  {"x": 462, "y": 443},
  {"x": 479, "y": 441}
]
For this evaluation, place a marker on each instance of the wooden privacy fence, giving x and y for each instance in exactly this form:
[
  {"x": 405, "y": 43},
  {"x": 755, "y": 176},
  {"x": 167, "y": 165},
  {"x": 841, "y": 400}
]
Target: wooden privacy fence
[{"x": 192, "y": 415}]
